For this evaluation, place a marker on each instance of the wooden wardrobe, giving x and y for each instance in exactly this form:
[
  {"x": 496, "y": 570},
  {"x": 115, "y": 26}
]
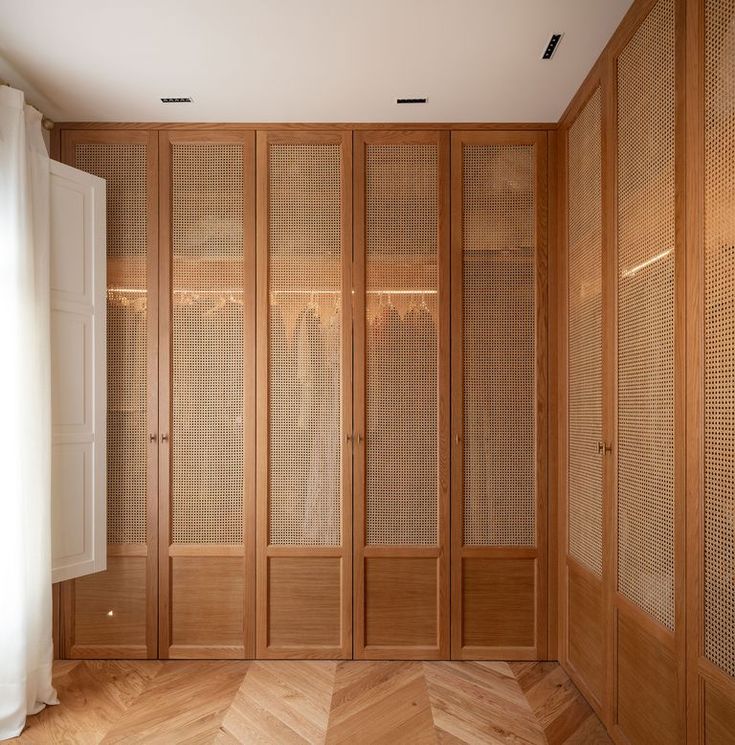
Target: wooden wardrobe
[
  {"x": 327, "y": 394},
  {"x": 647, "y": 432}
]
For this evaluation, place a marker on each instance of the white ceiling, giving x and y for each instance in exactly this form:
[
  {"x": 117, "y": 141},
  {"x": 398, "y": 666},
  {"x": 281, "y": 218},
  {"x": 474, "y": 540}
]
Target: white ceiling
[{"x": 302, "y": 60}]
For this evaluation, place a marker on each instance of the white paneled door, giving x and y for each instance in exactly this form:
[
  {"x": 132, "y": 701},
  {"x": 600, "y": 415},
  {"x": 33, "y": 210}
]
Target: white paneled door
[{"x": 78, "y": 375}]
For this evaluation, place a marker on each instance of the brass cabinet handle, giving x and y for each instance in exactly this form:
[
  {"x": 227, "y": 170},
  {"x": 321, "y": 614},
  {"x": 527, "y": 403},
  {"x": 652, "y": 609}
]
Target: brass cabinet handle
[
  {"x": 603, "y": 447},
  {"x": 164, "y": 438},
  {"x": 152, "y": 436}
]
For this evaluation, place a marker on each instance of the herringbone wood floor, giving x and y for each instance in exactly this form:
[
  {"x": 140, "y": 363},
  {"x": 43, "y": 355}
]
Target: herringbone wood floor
[{"x": 523, "y": 703}]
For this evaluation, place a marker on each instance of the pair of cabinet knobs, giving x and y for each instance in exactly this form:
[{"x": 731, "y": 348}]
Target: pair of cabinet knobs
[
  {"x": 153, "y": 438},
  {"x": 358, "y": 437},
  {"x": 603, "y": 447}
]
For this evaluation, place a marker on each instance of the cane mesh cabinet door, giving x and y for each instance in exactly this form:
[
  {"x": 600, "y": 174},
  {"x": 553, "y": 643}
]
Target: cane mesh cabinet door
[
  {"x": 207, "y": 401},
  {"x": 713, "y": 655},
  {"x": 648, "y": 597},
  {"x": 401, "y": 362},
  {"x": 499, "y": 395},
  {"x": 582, "y": 574},
  {"x": 113, "y": 613},
  {"x": 304, "y": 257}
]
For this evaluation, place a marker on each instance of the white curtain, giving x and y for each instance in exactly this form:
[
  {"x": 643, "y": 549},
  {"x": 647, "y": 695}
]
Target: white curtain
[{"x": 26, "y": 648}]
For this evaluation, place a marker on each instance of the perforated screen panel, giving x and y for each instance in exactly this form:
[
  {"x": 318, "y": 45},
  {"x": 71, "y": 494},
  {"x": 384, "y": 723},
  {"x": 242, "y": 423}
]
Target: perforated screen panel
[
  {"x": 646, "y": 243},
  {"x": 123, "y": 166},
  {"x": 305, "y": 344},
  {"x": 498, "y": 317},
  {"x": 402, "y": 212},
  {"x": 207, "y": 343},
  {"x": 719, "y": 335},
  {"x": 585, "y": 334}
]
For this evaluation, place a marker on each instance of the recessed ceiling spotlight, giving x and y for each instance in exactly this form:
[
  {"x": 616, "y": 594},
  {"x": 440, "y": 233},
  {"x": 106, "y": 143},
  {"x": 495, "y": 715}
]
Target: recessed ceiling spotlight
[
  {"x": 413, "y": 99},
  {"x": 551, "y": 46},
  {"x": 177, "y": 99}
]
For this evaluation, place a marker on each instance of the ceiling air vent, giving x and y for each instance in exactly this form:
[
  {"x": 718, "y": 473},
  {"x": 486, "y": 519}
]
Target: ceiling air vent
[
  {"x": 551, "y": 46},
  {"x": 412, "y": 100},
  {"x": 177, "y": 99}
]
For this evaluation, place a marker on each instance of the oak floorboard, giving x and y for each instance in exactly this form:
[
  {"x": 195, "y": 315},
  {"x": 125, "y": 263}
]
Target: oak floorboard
[
  {"x": 281, "y": 702},
  {"x": 184, "y": 703},
  {"x": 380, "y": 702},
  {"x": 94, "y": 695},
  {"x": 480, "y": 702}
]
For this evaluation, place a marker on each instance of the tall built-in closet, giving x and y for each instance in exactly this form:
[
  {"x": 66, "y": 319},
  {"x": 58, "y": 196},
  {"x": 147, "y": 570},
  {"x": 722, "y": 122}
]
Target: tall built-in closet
[
  {"x": 647, "y": 432},
  {"x": 291, "y": 472}
]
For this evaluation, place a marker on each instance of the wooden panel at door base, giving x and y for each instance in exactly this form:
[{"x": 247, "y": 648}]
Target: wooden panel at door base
[
  {"x": 304, "y": 547},
  {"x": 304, "y": 603},
  {"x": 207, "y": 607},
  {"x": 498, "y": 602},
  {"x": 113, "y": 614},
  {"x": 718, "y": 714},
  {"x": 586, "y": 636},
  {"x": 105, "y": 613},
  {"x": 499, "y": 395},
  {"x": 646, "y": 705},
  {"x": 400, "y": 602},
  {"x": 401, "y": 359}
]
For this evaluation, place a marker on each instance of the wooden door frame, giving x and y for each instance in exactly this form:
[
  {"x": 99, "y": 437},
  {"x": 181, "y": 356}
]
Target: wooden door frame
[
  {"x": 670, "y": 645},
  {"x": 567, "y": 565},
  {"x": 69, "y": 139},
  {"x": 247, "y": 550},
  {"x": 266, "y": 551},
  {"x": 440, "y": 551},
  {"x": 539, "y": 551}
]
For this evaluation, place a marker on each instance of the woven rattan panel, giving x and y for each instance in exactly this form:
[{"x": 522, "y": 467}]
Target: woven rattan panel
[
  {"x": 124, "y": 168},
  {"x": 646, "y": 136},
  {"x": 305, "y": 344},
  {"x": 498, "y": 317},
  {"x": 719, "y": 332},
  {"x": 585, "y": 335},
  {"x": 401, "y": 195},
  {"x": 207, "y": 344}
]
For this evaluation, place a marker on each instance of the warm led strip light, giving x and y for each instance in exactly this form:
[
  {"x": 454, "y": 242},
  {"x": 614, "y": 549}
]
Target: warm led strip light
[{"x": 643, "y": 265}]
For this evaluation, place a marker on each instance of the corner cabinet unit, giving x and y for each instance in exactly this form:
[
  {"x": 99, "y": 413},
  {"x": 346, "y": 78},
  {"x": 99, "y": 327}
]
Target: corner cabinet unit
[{"x": 291, "y": 473}]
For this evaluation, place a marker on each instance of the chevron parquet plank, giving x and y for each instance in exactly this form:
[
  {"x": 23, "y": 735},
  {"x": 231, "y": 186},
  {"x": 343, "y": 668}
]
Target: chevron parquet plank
[
  {"x": 184, "y": 703},
  {"x": 557, "y": 704},
  {"x": 480, "y": 703},
  {"x": 380, "y": 702},
  {"x": 94, "y": 695},
  {"x": 281, "y": 702}
]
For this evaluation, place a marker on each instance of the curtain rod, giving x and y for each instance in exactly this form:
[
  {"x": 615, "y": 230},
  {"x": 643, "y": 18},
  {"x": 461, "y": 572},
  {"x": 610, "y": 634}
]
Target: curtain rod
[{"x": 45, "y": 121}]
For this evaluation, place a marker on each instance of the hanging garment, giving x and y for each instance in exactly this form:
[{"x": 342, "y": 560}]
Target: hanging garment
[
  {"x": 307, "y": 353},
  {"x": 283, "y": 473},
  {"x": 386, "y": 432},
  {"x": 420, "y": 378},
  {"x": 322, "y": 502}
]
